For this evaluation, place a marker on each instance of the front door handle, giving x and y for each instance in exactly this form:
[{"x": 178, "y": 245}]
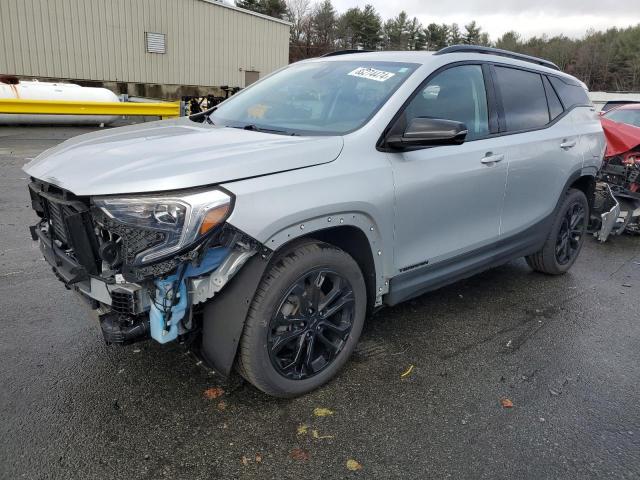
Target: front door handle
[
  {"x": 567, "y": 144},
  {"x": 491, "y": 158}
]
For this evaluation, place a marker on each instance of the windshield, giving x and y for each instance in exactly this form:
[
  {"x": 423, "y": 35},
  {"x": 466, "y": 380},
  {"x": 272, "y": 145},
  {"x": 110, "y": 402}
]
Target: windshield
[
  {"x": 316, "y": 98},
  {"x": 632, "y": 117}
]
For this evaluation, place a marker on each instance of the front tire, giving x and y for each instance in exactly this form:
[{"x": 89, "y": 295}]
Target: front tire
[
  {"x": 304, "y": 321},
  {"x": 565, "y": 240}
]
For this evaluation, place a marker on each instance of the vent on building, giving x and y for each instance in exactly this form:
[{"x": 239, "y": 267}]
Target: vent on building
[{"x": 156, "y": 42}]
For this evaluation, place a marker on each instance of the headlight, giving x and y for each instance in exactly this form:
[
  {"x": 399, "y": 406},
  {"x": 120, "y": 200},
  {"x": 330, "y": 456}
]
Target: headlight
[{"x": 179, "y": 219}]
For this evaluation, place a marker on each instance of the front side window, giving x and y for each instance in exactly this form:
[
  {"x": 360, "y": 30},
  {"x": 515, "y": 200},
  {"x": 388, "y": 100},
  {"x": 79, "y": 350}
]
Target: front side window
[
  {"x": 457, "y": 93},
  {"x": 523, "y": 99},
  {"x": 315, "y": 98},
  {"x": 631, "y": 117}
]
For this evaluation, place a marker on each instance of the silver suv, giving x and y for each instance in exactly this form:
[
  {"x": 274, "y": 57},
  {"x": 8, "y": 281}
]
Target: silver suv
[{"x": 263, "y": 231}]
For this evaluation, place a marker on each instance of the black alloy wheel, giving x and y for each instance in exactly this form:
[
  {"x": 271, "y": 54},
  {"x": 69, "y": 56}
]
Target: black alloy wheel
[
  {"x": 566, "y": 235},
  {"x": 569, "y": 237},
  {"x": 312, "y": 324}
]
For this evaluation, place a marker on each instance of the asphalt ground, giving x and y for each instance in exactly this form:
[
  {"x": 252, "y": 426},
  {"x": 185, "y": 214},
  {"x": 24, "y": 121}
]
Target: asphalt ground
[{"x": 564, "y": 350}]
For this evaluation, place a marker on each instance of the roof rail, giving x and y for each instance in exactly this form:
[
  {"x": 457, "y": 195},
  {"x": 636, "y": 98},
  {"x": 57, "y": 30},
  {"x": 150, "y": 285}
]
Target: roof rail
[
  {"x": 496, "y": 51},
  {"x": 344, "y": 52}
]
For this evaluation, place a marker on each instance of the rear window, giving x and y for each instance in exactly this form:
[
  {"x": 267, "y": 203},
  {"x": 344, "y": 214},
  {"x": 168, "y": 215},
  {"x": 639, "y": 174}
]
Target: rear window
[
  {"x": 523, "y": 99},
  {"x": 555, "y": 107},
  {"x": 571, "y": 95},
  {"x": 630, "y": 117}
]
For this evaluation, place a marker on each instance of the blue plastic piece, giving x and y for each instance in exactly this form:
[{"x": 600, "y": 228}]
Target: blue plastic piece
[{"x": 164, "y": 332}]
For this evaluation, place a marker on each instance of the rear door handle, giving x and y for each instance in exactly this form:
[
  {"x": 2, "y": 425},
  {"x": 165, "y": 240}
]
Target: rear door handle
[
  {"x": 491, "y": 158},
  {"x": 567, "y": 144}
]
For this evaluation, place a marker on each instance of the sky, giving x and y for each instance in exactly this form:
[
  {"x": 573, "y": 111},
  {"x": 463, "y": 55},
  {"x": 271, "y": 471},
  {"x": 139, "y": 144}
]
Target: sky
[{"x": 528, "y": 17}]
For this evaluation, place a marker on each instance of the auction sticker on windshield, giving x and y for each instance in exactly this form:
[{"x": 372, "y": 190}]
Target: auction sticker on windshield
[{"x": 372, "y": 74}]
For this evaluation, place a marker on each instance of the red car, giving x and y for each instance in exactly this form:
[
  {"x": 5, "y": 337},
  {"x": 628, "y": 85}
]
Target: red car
[{"x": 621, "y": 169}]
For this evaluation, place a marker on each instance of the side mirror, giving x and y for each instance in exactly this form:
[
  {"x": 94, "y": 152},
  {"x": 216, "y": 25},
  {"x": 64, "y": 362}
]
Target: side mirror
[{"x": 424, "y": 132}]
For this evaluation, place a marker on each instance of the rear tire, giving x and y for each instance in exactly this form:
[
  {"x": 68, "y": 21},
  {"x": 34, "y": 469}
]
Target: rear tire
[
  {"x": 297, "y": 336},
  {"x": 565, "y": 240}
]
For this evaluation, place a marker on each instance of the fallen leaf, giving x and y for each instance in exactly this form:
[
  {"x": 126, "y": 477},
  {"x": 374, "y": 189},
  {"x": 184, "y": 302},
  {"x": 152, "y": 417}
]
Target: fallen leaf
[
  {"x": 222, "y": 405},
  {"x": 213, "y": 393},
  {"x": 353, "y": 465},
  {"x": 245, "y": 461},
  {"x": 407, "y": 371},
  {"x": 258, "y": 458},
  {"x": 322, "y": 412},
  {"x": 302, "y": 429},
  {"x": 299, "y": 454},
  {"x": 506, "y": 403},
  {"x": 317, "y": 436}
]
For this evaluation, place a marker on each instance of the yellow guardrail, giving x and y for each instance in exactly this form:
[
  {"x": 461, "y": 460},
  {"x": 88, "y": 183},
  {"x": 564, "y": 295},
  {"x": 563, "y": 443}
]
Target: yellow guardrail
[{"x": 65, "y": 107}]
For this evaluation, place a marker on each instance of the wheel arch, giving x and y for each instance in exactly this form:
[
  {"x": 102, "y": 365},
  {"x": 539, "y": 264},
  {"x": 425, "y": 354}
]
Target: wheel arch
[
  {"x": 586, "y": 183},
  {"x": 354, "y": 242},
  {"x": 225, "y": 314}
]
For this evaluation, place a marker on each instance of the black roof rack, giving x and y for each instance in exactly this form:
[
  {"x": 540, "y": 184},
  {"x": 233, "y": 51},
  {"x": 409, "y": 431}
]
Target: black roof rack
[
  {"x": 344, "y": 52},
  {"x": 496, "y": 51}
]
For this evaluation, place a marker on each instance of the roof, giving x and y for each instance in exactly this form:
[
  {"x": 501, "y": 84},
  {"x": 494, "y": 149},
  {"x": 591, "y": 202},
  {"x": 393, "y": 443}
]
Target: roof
[
  {"x": 220, "y": 3},
  {"x": 626, "y": 106},
  {"x": 424, "y": 57}
]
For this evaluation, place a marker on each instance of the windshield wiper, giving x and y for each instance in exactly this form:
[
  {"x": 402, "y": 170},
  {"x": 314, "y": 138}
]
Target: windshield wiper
[
  {"x": 254, "y": 128},
  {"x": 200, "y": 117}
]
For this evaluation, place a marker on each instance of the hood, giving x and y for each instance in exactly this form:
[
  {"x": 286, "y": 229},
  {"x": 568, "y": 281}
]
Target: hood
[
  {"x": 621, "y": 137},
  {"x": 173, "y": 154}
]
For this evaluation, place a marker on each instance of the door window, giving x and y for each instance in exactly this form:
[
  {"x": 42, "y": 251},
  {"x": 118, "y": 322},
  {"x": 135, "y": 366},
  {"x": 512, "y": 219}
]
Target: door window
[
  {"x": 523, "y": 99},
  {"x": 457, "y": 93}
]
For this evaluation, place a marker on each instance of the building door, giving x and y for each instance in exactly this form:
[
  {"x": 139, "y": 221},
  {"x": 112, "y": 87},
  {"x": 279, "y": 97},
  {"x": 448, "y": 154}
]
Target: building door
[{"x": 250, "y": 76}]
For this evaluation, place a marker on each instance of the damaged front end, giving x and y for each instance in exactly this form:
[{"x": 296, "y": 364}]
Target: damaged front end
[
  {"x": 619, "y": 181},
  {"x": 147, "y": 264}
]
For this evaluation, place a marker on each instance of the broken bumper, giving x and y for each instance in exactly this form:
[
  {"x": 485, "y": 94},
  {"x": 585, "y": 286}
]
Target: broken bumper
[{"x": 608, "y": 212}]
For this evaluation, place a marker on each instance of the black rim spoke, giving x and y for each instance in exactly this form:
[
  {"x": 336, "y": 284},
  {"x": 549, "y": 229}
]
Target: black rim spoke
[
  {"x": 311, "y": 325},
  {"x": 570, "y": 234},
  {"x": 283, "y": 340}
]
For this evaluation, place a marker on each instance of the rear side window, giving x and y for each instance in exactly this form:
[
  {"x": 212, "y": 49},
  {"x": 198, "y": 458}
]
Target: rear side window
[
  {"x": 555, "y": 107},
  {"x": 570, "y": 95},
  {"x": 523, "y": 99}
]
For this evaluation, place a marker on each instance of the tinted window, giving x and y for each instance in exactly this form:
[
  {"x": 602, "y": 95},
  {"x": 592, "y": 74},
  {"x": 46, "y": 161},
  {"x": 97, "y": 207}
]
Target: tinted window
[
  {"x": 458, "y": 94},
  {"x": 523, "y": 99},
  {"x": 570, "y": 94},
  {"x": 632, "y": 117},
  {"x": 555, "y": 107}
]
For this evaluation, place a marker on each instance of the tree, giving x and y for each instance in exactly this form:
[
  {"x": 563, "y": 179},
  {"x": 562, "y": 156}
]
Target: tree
[
  {"x": 370, "y": 27},
  {"x": 347, "y": 29},
  {"x": 273, "y": 8},
  {"x": 396, "y": 32},
  {"x": 323, "y": 26},
  {"x": 509, "y": 41},
  {"x": 604, "y": 60},
  {"x": 416, "y": 37},
  {"x": 437, "y": 36},
  {"x": 455, "y": 37},
  {"x": 472, "y": 34}
]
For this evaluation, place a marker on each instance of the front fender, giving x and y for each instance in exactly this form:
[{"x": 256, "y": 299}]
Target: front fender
[{"x": 359, "y": 220}]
